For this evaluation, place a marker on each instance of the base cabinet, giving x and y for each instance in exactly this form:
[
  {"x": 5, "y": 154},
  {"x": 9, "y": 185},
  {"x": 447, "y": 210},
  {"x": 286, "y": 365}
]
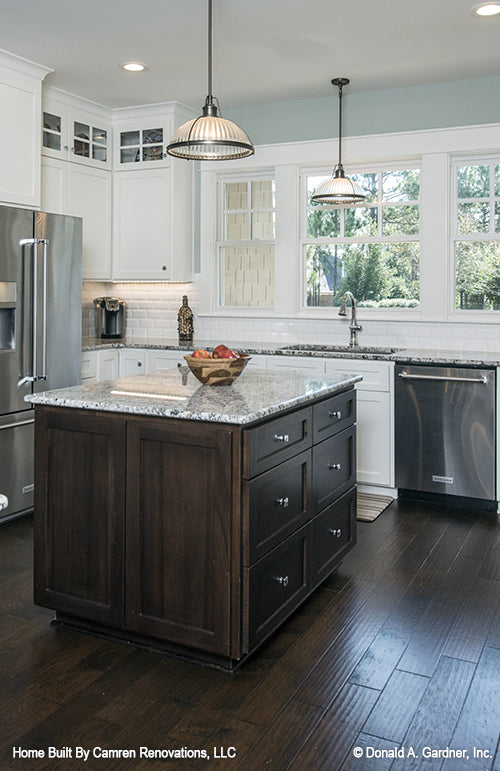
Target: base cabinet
[{"x": 190, "y": 537}]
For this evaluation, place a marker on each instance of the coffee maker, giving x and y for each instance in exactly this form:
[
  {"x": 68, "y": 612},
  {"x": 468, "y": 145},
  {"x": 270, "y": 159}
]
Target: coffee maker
[{"x": 110, "y": 316}]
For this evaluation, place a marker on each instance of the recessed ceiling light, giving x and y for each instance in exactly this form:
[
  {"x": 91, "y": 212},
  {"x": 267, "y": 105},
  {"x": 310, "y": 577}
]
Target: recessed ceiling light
[
  {"x": 133, "y": 66},
  {"x": 486, "y": 9}
]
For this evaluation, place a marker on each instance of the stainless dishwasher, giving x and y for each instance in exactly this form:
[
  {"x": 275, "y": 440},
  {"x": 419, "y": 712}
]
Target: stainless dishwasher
[{"x": 445, "y": 430}]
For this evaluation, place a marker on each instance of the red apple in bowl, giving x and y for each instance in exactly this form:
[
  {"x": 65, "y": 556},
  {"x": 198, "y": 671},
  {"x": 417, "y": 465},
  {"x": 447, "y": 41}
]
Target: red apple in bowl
[
  {"x": 232, "y": 355},
  {"x": 220, "y": 352},
  {"x": 200, "y": 353}
]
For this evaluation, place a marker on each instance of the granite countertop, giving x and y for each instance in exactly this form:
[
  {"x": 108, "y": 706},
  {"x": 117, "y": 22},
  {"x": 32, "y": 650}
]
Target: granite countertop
[
  {"x": 371, "y": 353},
  {"x": 176, "y": 393}
]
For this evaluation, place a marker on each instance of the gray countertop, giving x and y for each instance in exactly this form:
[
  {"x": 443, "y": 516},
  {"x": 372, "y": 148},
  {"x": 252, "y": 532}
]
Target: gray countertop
[
  {"x": 403, "y": 355},
  {"x": 177, "y": 394}
]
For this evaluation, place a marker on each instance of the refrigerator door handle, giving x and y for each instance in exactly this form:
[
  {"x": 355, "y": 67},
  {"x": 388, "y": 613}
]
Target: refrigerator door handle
[{"x": 34, "y": 308}]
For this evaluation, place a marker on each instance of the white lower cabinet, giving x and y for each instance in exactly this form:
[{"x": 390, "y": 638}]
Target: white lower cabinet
[
  {"x": 89, "y": 366},
  {"x": 258, "y": 361},
  {"x": 158, "y": 360},
  {"x": 107, "y": 364},
  {"x": 305, "y": 364},
  {"x": 132, "y": 361},
  {"x": 375, "y": 422}
]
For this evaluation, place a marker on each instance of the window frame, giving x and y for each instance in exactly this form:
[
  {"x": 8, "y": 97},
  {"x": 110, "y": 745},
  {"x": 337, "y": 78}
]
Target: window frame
[
  {"x": 457, "y": 161},
  {"x": 305, "y": 240},
  {"x": 221, "y": 243}
]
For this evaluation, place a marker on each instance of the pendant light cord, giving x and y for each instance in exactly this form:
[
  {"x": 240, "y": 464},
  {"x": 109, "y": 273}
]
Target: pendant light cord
[
  {"x": 340, "y": 123},
  {"x": 210, "y": 49}
]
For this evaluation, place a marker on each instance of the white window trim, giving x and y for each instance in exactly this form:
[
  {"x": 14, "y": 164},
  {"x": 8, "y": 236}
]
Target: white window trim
[{"x": 431, "y": 149}]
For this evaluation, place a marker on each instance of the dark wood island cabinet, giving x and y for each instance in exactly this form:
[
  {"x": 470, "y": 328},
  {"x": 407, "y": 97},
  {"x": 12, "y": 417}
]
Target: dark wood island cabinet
[{"x": 193, "y": 535}]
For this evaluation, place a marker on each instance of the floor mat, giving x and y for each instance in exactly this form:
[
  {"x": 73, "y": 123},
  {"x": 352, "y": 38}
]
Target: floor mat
[{"x": 370, "y": 506}]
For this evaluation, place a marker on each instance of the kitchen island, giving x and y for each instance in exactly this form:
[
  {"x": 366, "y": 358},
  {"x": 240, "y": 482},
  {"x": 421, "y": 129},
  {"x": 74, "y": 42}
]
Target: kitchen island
[{"x": 187, "y": 518}]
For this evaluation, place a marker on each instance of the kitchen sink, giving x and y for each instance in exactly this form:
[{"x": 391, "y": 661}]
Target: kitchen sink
[{"x": 340, "y": 348}]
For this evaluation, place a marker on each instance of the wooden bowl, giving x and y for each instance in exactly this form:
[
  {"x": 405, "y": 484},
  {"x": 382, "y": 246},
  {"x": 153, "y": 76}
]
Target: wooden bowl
[{"x": 217, "y": 371}]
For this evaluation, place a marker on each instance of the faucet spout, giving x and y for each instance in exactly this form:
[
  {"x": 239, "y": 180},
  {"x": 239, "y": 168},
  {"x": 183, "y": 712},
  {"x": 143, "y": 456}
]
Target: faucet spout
[{"x": 354, "y": 327}]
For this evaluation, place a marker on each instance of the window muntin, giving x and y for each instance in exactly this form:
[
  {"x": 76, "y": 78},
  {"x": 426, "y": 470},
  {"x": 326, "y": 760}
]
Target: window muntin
[
  {"x": 246, "y": 247},
  {"x": 476, "y": 234},
  {"x": 371, "y": 249}
]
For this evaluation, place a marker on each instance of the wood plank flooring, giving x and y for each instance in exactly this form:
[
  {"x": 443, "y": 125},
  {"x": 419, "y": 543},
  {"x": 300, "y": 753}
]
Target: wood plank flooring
[{"x": 399, "y": 650}]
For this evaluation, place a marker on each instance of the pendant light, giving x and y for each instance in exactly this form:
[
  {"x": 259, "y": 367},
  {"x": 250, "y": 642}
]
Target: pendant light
[
  {"x": 339, "y": 189},
  {"x": 210, "y": 137}
]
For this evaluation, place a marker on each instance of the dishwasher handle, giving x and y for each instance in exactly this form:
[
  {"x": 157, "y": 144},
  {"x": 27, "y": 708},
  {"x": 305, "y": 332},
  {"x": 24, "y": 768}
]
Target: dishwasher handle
[{"x": 483, "y": 379}]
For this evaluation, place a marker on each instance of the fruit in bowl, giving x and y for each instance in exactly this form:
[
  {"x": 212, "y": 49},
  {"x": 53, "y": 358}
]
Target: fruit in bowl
[{"x": 222, "y": 367}]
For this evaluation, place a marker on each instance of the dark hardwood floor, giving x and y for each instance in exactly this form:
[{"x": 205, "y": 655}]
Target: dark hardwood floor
[{"x": 397, "y": 651}]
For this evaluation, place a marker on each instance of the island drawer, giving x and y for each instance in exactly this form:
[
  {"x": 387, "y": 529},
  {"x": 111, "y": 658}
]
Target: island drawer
[
  {"x": 334, "y": 468},
  {"x": 333, "y": 415},
  {"x": 275, "y": 441},
  {"x": 275, "y": 585},
  {"x": 333, "y": 530},
  {"x": 274, "y": 505}
]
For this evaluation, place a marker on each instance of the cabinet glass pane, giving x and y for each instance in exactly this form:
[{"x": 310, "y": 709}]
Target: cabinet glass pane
[
  {"x": 129, "y": 138},
  {"x": 152, "y": 153},
  {"x": 263, "y": 194},
  {"x": 152, "y": 136},
  {"x": 129, "y": 155},
  {"x": 236, "y": 227},
  {"x": 53, "y": 141},
  {"x": 82, "y": 149},
  {"x": 82, "y": 131},
  {"x": 52, "y": 122},
  {"x": 99, "y": 135},
  {"x": 236, "y": 195},
  {"x": 99, "y": 153}
]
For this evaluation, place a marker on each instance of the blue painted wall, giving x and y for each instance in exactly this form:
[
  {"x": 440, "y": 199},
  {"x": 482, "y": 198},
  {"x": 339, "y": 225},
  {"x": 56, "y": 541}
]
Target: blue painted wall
[{"x": 441, "y": 105}]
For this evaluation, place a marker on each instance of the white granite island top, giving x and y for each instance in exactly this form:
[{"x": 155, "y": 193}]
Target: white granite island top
[{"x": 176, "y": 393}]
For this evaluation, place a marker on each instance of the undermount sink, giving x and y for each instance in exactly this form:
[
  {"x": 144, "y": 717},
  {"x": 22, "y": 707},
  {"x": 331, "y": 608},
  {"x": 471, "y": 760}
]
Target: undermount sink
[{"x": 340, "y": 348}]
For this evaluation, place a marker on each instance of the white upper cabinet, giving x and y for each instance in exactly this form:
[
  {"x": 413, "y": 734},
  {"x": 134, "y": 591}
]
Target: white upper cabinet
[
  {"x": 20, "y": 97},
  {"x": 76, "y": 135},
  {"x": 82, "y": 191},
  {"x": 142, "y": 144}
]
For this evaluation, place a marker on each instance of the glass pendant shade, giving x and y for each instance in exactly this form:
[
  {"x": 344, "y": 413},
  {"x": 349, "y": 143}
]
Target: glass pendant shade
[
  {"x": 339, "y": 189},
  {"x": 210, "y": 137}
]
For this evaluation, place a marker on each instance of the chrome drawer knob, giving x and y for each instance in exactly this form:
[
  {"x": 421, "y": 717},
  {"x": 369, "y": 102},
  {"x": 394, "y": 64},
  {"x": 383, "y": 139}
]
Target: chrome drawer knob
[
  {"x": 336, "y": 414},
  {"x": 281, "y": 438},
  {"x": 283, "y": 502},
  {"x": 334, "y": 466},
  {"x": 282, "y": 580},
  {"x": 335, "y": 532}
]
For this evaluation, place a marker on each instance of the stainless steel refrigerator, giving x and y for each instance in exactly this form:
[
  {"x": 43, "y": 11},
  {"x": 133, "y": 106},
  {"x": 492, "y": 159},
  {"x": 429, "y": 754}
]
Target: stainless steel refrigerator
[{"x": 40, "y": 334}]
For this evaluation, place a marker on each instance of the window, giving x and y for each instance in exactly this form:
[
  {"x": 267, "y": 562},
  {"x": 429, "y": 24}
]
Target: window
[
  {"x": 476, "y": 236},
  {"x": 371, "y": 249},
  {"x": 247, "y": 243}
]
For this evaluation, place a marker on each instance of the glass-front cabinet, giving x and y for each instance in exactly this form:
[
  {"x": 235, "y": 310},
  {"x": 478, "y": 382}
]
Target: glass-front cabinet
[
  {"x": 142, "y": 145},
  {"x": 75, "y": 136}
]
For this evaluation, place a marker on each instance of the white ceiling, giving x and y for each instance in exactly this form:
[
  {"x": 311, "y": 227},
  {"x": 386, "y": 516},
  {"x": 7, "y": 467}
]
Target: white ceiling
[{"x": 264, "y": 50}]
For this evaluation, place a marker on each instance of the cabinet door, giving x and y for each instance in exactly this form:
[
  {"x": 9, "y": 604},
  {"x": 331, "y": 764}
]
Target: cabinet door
[
  {"x": 334, "y": 532},
  {"x": 375, "y": 445},
  {"x": 54, "y": 186},
  {"x": 89, "y": 366},
  {"x": 20, "y": 97},
  {"x": 107, "y": 365},
  {"x": 89, "y": 197},
  {"x": 132, "y": 361},
  {"x": 79, "y": 495},
  {"x": 142, "y": 225},
  {"x": 178, "y": 562},
  {"x": 306, "y": 364},
  {"x": 156, "y": 361}
]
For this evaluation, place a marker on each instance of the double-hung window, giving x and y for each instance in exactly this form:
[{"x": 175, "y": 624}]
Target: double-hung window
[
  {"x": 476, "y": 234},
  {"x": 370, "y": 249},
  {"x": 246, "y": 243}
]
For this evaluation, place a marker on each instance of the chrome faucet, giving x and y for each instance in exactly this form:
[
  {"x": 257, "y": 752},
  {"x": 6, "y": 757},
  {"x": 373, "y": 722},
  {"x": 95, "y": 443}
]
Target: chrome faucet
[{"x": 353, "y": 326}]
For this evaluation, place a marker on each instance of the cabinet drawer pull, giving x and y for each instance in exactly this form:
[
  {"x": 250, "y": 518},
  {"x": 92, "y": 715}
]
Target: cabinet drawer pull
[
  {"x": 283, "y": 502},
  {"x": 335, "y": 414},
  {"x": 334, "y": 466},
  {"x": 281, "y": 438},
  {"x": 283, "y": 580},
  {"x": 335, "y": 532}
]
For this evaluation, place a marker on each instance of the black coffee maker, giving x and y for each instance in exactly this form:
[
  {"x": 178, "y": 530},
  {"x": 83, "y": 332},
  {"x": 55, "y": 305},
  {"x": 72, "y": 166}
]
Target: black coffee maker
[{"x": 110, "y": 316}]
